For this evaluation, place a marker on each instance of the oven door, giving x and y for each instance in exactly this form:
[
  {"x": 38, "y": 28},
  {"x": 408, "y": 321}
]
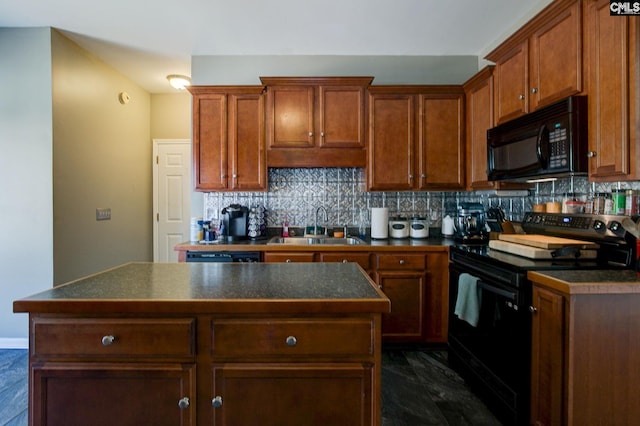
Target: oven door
[{"x": 494, "y": 355}]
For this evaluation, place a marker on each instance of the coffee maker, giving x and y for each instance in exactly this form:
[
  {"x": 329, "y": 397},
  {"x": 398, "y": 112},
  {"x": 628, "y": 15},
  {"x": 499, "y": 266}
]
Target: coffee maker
[
  {"x": 235, "y": 222},
  {"x": 470, "y": 224}
]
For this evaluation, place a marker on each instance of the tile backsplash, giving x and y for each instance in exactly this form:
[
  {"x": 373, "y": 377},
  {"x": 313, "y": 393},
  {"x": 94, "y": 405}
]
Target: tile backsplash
[{"x": 296, "y": 193}]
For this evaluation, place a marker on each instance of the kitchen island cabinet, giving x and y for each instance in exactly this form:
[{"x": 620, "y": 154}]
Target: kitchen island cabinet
[
  {"x": 585, "y": 348},
  {"x": 195, "y": 344}
]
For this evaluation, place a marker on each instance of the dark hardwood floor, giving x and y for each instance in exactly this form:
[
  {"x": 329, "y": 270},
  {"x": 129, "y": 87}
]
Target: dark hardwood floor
[
  {"x": 418, "y": 389},
  {"x": 14, "y": 378}
]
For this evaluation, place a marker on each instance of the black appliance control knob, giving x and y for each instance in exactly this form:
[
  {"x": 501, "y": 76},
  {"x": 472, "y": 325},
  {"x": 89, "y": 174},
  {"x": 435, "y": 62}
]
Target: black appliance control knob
[
  {"x": 615, "y": 227},
  {"x": 599, "y": 226}
]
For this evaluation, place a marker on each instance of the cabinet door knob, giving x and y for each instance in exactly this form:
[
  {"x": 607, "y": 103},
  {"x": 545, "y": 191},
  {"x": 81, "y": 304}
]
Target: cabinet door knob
[
  {"x": 183, "y": 403},
  {"x": 410, "y": 176},
  {"x": 521, "y": 97},
  {"x": 288, "y": 261},
  {"x": 533, "y": 309},
  {"x": 534, "y": 90},
  {"x": 322, "y": 134},
  {"x": 234, "y": 176},
  {"x": 217, "y": 402},
  {"x": 292, "y": 341},
  {"x": 591, "y": 154},
  {"x": 345, "y": 261},
  {"x": 310, "y": 134},
  {"x": 108, "y": 340},
  {"x": 402, "y": 261}
]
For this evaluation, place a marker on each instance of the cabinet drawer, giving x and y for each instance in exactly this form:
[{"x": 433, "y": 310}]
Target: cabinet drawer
[
  {"x": 402, "y": 261},
  {"x": 304, "y": 337},
  {"x": 361, "y": 259},
  {"x": 113, "y": 337},
  {"x": 288, "y": 257}
]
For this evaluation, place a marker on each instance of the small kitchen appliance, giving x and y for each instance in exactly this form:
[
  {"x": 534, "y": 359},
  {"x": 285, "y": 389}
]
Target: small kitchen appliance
[
  {"x": 235, "y": 220},
  {"x": 470, "y": 224}
]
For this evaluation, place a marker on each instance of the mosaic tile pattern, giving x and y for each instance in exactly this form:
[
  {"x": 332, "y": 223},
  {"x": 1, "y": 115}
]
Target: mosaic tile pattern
[{"x": 296, "y": 194}]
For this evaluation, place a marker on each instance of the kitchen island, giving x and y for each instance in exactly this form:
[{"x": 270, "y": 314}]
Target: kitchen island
[
  {"x": 585, "y": 347},
  {"x": 195, "y": 344}
]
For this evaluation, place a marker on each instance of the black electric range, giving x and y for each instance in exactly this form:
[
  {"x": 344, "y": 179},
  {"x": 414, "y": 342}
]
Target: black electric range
[{"x": 491, "y": 349}]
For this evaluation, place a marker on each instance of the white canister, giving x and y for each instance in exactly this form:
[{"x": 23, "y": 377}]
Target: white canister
[
  {"x": 419, "y": 227},
  {"x": 379, "y": 221},
  {"x": 447, "y": 227},
  {"x": 398, "y": 227}
]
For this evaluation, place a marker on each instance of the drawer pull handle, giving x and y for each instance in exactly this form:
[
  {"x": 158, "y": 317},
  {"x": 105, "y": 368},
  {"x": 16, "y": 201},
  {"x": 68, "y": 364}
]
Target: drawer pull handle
[
  {"x": 288, "y": 261},
  {"x": 533, "y": 309},
  {"x": 108, "y": 340},
  {"x": 217, "y": 402},
  {"x": 402, "y": 261},
  {"x": 292, "y": 341},
  {"x": 183, "y": 403},
  {"x": 345, "y": 261}
]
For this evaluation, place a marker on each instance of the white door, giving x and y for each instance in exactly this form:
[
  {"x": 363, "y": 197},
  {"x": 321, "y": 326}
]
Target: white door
[{"x": 171, "y": 196}]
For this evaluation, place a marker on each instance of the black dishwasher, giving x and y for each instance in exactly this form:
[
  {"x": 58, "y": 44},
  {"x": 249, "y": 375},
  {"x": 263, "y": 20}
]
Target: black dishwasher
[{"x": 223, "y": 256}]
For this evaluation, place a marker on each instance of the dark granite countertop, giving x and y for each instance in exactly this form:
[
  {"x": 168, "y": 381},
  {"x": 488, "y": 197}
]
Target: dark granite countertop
[
  {"x": 623, "y": 281},
  {"x": 403, "y": 244},
  {"x": 215, "y": 288}
]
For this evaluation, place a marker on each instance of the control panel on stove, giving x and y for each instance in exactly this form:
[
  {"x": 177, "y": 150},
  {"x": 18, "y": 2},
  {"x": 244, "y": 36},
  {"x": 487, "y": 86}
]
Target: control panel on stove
[{"x": 579, "y": 225}]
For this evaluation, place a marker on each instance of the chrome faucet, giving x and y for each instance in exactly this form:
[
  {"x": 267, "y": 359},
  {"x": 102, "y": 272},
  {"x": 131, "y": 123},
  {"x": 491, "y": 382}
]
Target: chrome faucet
[{"x": 315, "y": 222}]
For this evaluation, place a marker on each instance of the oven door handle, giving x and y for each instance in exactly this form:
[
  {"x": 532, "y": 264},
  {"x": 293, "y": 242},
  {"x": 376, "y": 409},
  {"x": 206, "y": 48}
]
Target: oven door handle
[{"x": 499, "y": 291}]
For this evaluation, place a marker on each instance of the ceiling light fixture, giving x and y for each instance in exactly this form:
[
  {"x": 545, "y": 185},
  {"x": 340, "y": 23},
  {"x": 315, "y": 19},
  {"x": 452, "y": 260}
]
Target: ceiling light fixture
[{"x": 179, "y": 81}]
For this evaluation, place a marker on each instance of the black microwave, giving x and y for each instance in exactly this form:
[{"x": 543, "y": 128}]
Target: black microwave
[{"x": 549, "y": 142}]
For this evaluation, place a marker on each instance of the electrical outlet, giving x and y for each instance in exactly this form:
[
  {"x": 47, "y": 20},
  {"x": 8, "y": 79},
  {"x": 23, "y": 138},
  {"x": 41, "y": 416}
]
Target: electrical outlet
[{"x": 103, "y": 214}]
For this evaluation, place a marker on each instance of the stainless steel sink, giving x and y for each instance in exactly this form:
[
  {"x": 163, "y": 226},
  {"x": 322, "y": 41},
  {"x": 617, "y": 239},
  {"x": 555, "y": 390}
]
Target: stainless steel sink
[{"x": 320, "y": 240}]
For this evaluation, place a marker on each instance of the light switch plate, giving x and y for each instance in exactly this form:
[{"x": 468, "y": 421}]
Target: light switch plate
[{"x": 103, "y": 214}]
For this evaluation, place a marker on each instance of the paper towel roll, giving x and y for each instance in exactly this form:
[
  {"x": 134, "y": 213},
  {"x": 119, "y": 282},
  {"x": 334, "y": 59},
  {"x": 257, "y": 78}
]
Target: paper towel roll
[{"x": 379, "y": 223}]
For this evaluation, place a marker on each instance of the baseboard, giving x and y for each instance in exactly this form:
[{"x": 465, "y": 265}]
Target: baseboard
[{"x": 14, "y": 343}]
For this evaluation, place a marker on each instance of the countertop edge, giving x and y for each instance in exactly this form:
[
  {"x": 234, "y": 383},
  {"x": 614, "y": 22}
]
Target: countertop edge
[{"x": 584, "y": 287}]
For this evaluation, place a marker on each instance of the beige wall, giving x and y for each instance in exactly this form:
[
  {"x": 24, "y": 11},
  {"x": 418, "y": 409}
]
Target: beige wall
[
  {"x": 26, "y": 203},
  {"x": 171, "y": 116},
  {"x": 101, "y": 159}
]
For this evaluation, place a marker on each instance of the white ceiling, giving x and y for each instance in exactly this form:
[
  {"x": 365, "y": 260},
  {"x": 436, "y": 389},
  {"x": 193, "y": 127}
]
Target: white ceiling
[{"x": 147, "y": 40}]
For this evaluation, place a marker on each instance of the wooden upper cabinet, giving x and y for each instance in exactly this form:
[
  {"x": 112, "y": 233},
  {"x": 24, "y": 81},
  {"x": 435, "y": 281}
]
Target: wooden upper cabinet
[
  {"x": 612, "y": 52},
  {"x": 416, "y": 138},
  {"x": 291, "y": 121},
  {"x": 228, "y": 138},
  {"x": 442, "y": 144},
  {"x": 479, "y": 118},
  {"x": 511, "y": 81},
  {"x": 541, "y": 63},
  {"x": 391, "y": 140},
  {"x": 316, "y": 121},
  {"x": 556, "y": 57}
]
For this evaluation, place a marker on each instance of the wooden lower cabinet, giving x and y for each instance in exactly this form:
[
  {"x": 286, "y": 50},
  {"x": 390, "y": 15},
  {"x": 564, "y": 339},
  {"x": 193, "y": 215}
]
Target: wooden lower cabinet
[
  {"x": 106, "y": 394},
  {"x": 287, "y": 394},
  {"x": 547, "y": 357},
  {"x": 585, "y": 357},
  {"x": 223, "y": 369},
  {"x": 417, "y": 283}
]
